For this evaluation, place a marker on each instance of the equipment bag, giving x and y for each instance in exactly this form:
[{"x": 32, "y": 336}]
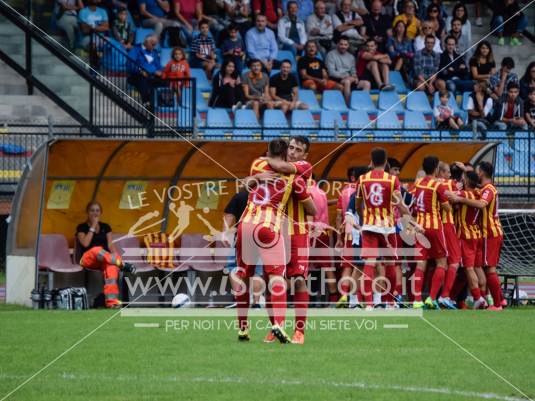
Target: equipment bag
[{"x": 74, "y": 298}]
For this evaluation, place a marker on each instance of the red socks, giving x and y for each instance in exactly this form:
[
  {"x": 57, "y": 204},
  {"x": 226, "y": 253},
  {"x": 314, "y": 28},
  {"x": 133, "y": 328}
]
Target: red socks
[
  {"x": 437, "y": 281},
  {"x": 278, "y": 300},
  {"x": 476, "y": 293},
  {"x": 367, "y": 277},
  {"x": 243, "y": 308},
  {"x": 345, "y": 287},
  {"x": 451, "y": 274},
  {"x": 390, "y": 272},
  {"x": 418, "y": 283},
  {"x": 493, "y": 285},
  {"x": 300, "y": 307}
]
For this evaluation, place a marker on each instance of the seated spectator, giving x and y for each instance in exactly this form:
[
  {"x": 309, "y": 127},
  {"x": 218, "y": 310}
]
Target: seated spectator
[
  {"x": 319, "y": 27},
  {"x": 436, "y": 21},
  {"x": 238, "y": 13},
  {"x": 374, "y": 66},
  {"x": 176, "y": 69},
  {"x": 145, "y": 69},
  {"x": 409, "y": 19},
  {"x": 463, "y": 46},
  {"x": 426, "y": 29},
  {"x": 67, "y": 19},
  {"x": 509, "y": 110},
  {"x": 255, "y": 85},
  {"x": 453, "y": 69},
  {"x": 92, "y": 19},
  {"x": 527, "y": 82},
  {"x": 341, "y": 67},
  {"x": 203, "y": 50},
  {"x": 261, "y": 43},
  {"x": 313, "y": 72},
  {"x": 443, "y": 113},
  {"x": 459, "y": 12},
  {"x": 426, "y": 63},
  {"x": 482, "y": 64},
  {"x": 479, "y": 108},
  {"x": 154, "y": 15},
  {"x": 291, "y": 30},
  {"x": 401, "y": 50},
  {"x": 529, "y": 109},
  {"x": 283, "y": 89},
  {"x": 304, "y": 7},
  {"x": 185, "y": 12},
  {"x": 346, "y": 24},
  {"x": 359, "y": 6},
  {"x": 508, "y": 20},
  {"x": 212, "y": 11},
  {"x": 271, "y": 9},
  {"x": 377, "y": 26},
  {"x": 123, "y": 32},
  {"x": 503, "y": 77},
  {"x": 424, "y": 5},
  {"x": 226, "y": 87},
  {"x": 233, "y": 48}
]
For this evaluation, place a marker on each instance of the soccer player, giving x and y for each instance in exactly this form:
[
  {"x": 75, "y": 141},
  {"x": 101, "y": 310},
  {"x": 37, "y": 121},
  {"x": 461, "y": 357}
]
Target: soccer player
[
  {"x": 430, "y": 200},
  {"x": 260, "y": 235}
]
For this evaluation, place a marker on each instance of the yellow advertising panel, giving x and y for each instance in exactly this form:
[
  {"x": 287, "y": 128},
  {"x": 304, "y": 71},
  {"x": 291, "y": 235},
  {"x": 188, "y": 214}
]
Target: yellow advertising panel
[{"x": 60, "y": 194}]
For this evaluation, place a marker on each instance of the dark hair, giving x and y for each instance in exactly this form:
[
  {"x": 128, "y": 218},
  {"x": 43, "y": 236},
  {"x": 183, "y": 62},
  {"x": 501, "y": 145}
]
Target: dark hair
[
  {"x": 204, "y": 22},
  {"x": 223, "y": 69},
  {"x": 121, "y": 10},
  {"x": 351, "y": 172},
  {"x": 393, "y": 163},
  {"x": 378, "y": 157},
  {"x": 370, "y": 40},
  {"x": 286, "y": 61},
  {"x": 430, "y": 164},
  {"x": 303, "y": 140},
  {"x": 455, "y": 19},
  {"x": 342, "y": 38},
  {"x": 508, "y": 62},
  {"x": 444, "y": 93},
  {"x": 477, "y": 53},
  {"x": 93, "y": 203},
  {"x": 404, "y": 26},
  {"x": 430, "y": 37},
  {"x": 359, "y": 170},
  {"x": 232, "y": 27},
  {"x": 456, "y": 172},
  {"x": 278, "y": 147},
  {"x": 430, "y": 7},
  {"x": 471, "y": 179},
  {"x": 513, "y": 85},
  {"x": 254, "y": 60},
  {"x": 291, "y": 2},
  {"x": 526, "y": 77},
  {"x": 465, "y": 16},
  {"x": 487, "y": 168},
  {"x": 532, "y": 90},
  {"x": 450, "y": 37}
]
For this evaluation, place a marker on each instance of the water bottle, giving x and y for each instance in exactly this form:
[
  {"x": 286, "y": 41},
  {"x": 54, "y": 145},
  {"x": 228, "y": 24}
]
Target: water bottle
[{"x": 36, "y": 298}]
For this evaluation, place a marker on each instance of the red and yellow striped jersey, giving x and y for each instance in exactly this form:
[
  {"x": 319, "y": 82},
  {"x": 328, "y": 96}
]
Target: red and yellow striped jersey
[
  {"x": 468, "y": 218},
  {"x": 447, "y": 217},
  {"x": 376, "y": 188},
  {"x": 429, "y": 194},
  {"x": 491, "y": 225},
  {"x": 297, "y": 220}
]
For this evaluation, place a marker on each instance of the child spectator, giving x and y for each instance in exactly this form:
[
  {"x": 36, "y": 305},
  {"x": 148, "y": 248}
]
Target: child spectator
[
  {"x": 313, "y": 72},
  {"x": 529, "y": 109},
  {"x": 374, "y": 66},
  {"x": 175, "y": 69},
  {"x": 122, "y": 30},
  {"x": 444, "y": 113},
  {"x": 233, "y": 48},
  {"x": 509, "y": 110},
  {"x": 203, "y": 50}
]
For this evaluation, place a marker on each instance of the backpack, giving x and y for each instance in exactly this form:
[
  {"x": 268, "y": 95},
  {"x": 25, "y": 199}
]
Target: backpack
[{"x": 74, "y": 298}]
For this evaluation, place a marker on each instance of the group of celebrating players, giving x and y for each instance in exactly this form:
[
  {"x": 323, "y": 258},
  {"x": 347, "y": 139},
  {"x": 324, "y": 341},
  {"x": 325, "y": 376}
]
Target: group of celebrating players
[{"x": 447, "y": 218}]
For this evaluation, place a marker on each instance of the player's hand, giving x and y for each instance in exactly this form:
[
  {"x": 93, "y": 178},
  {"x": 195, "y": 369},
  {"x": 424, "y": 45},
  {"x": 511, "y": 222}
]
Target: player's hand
[{"x": 267, "y": 176}]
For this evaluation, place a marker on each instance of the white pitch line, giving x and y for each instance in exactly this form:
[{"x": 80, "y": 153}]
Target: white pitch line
[
  {"x": 395, "y": 326},
  {"x": 147, "y": 325}
]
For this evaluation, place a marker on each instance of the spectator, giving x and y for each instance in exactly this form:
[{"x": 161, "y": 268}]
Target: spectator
[
  {"x": 463, "y": 46},
  {"x": 426, "y": 63},
  {"x": 153, "y": 14},
  {"x": 424, "y": 5},
  {"x": 377, "y": 26},
  {"x": 453, "y": 69},
  {"x": 341, "y": 67},
  {"x": 508, "y": 20},
  {"x": 291, "y": 30},
  {"x": 213, "y": 12},
  {"x": 359, "y": 6},
  {"x": 67, "y": 19},
  {"x": 256, "y": 88},
  {"x": 145, "y": 68},
  {"x": 122, "y": 30},
  {"x": 401, "y": 50},
  {"x": 233, "y": 48},
  {"x": 271, "y": 9},
  {"x": 283, "y": 89},
  {"x": 482, "y": 64},
  {"x": 409, "y": 19},
  {"x": 304, "y": 7},
  {"x": 459, "y": 11},
  {"x": 313, "y": 72},
  {"x": 444, "y": 113},
  {"x": 319, "y": 27},
  {"x": 509, "y": 110},
  {"x": 347, "y": 23},
  {"x": 226, "y": 87},
  {"x": 238, "y": 13},
  {"x": 203, "y": 50},
  {"x": 426, "y": 29},
  {"x": 527, "y": 82},
  {"x": 186, "y": 12},
  {"x": 434, "y": 18},
  {"x": 374, "y": 66},
  {"x": 529, "y": 109},
  {"x": 92, "y": 19},
  {"x": 503, "y": 77},
  {"x": 261, "y": 43},
  {"x": 176, "y": 69},
  {"x": 479, "y": 107}
]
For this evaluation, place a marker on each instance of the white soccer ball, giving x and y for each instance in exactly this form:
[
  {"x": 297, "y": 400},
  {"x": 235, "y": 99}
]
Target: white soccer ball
[{"x": 181, "y": 301}]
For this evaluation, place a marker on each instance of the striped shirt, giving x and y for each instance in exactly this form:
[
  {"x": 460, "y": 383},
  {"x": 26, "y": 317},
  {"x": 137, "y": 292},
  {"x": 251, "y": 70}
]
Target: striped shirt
[
  {"x": 429, "y": 194},
  {"x": 468, "y": 218},
  {"x": 491, "y": 226},
  {"x": 296, "y": 212},
  {"x": 447, "y": 217},
  {"x": 203, "y": 45}
]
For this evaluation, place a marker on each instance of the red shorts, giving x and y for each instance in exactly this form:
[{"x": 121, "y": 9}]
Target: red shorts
[
  {"x": 321, "y": 254},
  {"x": 298, "y": 265},
  {"x": 453, "y": 245},
  {"x": 472, "y": 252},
  {"x": 309, "y": 83},
  {"x": 491, "y": 251},
  {"x": 377, "y": 245},
  {"x": 436, "y": 248},
  {"x": 255, "y": 243}
]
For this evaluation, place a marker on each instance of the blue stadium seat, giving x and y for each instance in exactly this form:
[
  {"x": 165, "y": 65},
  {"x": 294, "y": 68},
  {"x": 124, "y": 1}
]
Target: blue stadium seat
[
  {"x": 417, "y": 101},
  {"x": 246, "y": 119},
  {"x": 522, "y": 144},
  {"x": 504, "y": 158},
  {"x": 361, "y": 100},
  {"x": 415, "y": 120},
  {"x": 334, "y": 100},
  {"x": 287, "y": 54},
  {"x": 303, "y": 119},
  {"x": 388, "y": 120},
  {"x": 497, "y": 135},
  {"x": 309, "y": 97},
  {"x": 165, "y": 55},
  {"x": 359, "y": 124},
  {"x": 328, "y": 120},
  {"x": 114, "y": 57},
  {"x": 464, "y": 104},
  {"x": 389, "y": 100},
  {"x": 275, "y": 124},
  {"x": 202, "y": 82},
  {"x": 397, "y": 80},
  {"x": 219, "y": 123},
  {"x": 202, "y": 106},
  {"x": 452, "y": 102},
  {"x": 274, "y": 72},
  {"x": 522, "y": 162},
  {"x": 141, "y": 33}
]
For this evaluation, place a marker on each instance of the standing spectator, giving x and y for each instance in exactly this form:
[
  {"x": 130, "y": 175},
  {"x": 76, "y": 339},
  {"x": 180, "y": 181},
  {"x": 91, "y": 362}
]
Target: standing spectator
[
  {"x": 436, "y": 21},
  {"x": 426, "y": 63},
  {"x": 176, "y": 69},
  {"x": 256, "y": 88},
  {"x": 154, "y": 15},
  {"x": 509, "y": 110},
  {"x": 312, "y": 70},
  {"x": 463, "y": 46},
  {"x": 508, "y": 20},
  {"x": 261, "y": 43},
  {"x": 341, "y": 67},
  {"x": 503, "y": 77},
  {"x": 459, "y": 11},
  {"x": 319, "y": 27},
  {"x": 374, "y": 66},
  {"x": 482, "y": 64},
  {"x": 453, "y": 69},
  {"x": 238, "y": 13},
  {"x": 479, "y": 107},
  {"x": 304, "y": 7},
  {"x": 409, "y": 18},
  {"x": 226, "y": 87},
  {"x": 529, "y": 109},
  {"x": 426, "y": 29},
  {"x": 233, "y": 48},
  {"x": 527, "y": 82},
  {"x": 401, "y": 50},
  {"x": 347, "y": 23},
  {"x": 122, "y": 30},
  {"x": 92, "y": 19},
  {"x": 271, "y": 9},
  {"x": 203, "y": 50},
  {"x": 283, "y": 89},
  {"x": 377, "y": 26},
  {"x": 444, "y": 113},
  {"x": 145, "y": 69},
  {"x": 67, "y": 19},
  {"x": 291, "y": 30}
]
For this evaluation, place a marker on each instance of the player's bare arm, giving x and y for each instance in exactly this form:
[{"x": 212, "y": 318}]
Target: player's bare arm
[{"x": 281, "y": 166}]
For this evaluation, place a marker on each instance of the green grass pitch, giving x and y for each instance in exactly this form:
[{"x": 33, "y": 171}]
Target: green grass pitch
[{"x": 121, "y": 362}]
